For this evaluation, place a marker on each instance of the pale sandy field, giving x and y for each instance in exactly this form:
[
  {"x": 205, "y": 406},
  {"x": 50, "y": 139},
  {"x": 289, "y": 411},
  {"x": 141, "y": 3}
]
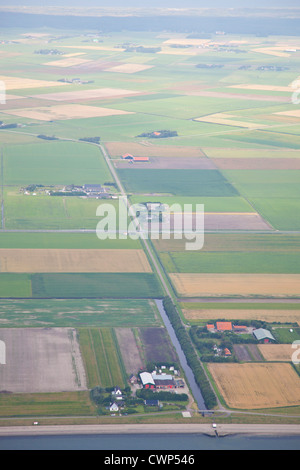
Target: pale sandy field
[
  {"x": 72, "y": 260},
  {"x": 201, "y": 285},
  {"x": 257, "y": 385},
  {"x": 246, "y": 314},
  {"x": 66, "y": 111},
  {"x": 41, "y": 360}
]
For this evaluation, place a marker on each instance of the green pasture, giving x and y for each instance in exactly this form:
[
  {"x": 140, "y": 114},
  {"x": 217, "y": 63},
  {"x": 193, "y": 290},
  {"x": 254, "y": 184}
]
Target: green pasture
[
  {"x": 98, "y": 285},
  {"x": 46, "y": 212},
  {"x": 240, "y": 305},
  {"x": 268, "y": 139},
  {"x": 265, "y": 183},
  {"x": 46, "y": 404},
  {"x": 55, "y": 163},
  {"x": 209, "y": 183},
  {"x": 232, "y": 262},
  {"x": 63, "y": 240},
  {"x": 282, "y": 213},
  {"x": 101, "y": 355},
  {"x": 22, "y": 313},
  {"x": 15, "y": 285}
]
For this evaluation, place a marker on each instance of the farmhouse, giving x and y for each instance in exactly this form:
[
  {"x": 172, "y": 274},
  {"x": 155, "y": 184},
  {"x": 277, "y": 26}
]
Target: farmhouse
[
  {"x": 263, "y": 335},
  {"x": 127, "y": 156},
  {"x": 224, "y": 325}
]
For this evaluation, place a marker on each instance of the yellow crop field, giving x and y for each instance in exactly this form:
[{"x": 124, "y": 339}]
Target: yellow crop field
[
  {"x": 68, "y": 62},
  {"x": 195, "y": 284},
  {"x": 291, "y": 316},
  {"x": 276, "y": 352},
  {"x": 66, "y": 111},
  {"x": 257, "y": 385},
  {"x": 18, "y": 83},
  {"x": 251, "y": 86},
  {"x": 73, "y": 261},
  {"x": 225, "y": 119}
]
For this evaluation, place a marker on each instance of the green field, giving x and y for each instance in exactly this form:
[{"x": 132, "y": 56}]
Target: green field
[
  {"x": 55, "y": 163},
  {"x": 63, "y": 240},
  {"x": 102, "y": 358},
  {"x": 78, "y": 313},
  {"x": 100, "y": 285},
  {"x": 232, "y": 262},
  {"x": 206, "y": 183}
]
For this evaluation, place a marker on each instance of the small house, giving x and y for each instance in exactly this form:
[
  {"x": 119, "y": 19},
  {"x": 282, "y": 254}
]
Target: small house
[
  {"x": 151, "y": 402},
  {"x": 113, "y": 407}
]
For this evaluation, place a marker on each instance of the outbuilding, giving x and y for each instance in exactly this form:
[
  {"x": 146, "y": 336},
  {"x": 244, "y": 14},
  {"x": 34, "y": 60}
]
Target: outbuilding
[
  {"x": 261, "y": 334},
  {"x": 147, "y": 380}
]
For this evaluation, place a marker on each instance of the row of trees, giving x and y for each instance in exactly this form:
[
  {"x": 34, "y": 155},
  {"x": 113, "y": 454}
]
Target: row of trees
[{"x": 190, "y": 354}]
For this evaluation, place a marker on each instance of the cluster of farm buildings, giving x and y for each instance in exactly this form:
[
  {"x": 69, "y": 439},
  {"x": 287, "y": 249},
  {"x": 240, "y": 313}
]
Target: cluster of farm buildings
[
  {"x": 160, "y": 381},
  {"x": 261, "y": 334}
]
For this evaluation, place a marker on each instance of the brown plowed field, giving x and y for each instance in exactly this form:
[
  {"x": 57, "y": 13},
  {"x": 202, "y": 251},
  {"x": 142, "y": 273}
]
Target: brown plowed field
[
  {"x": 257, "y": 163},
  {"x": 170, "y": 163}
]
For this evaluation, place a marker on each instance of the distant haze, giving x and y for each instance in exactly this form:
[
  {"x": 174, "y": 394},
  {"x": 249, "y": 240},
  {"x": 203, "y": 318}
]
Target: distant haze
[{"x": 157, "y": 3}]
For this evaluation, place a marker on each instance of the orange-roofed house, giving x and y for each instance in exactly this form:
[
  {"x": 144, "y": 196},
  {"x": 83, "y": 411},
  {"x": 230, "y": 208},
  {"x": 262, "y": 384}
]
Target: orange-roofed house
[
  {"x": 224, "y": 325},
  {"x": 210, "y": 327},
  {"x": 227, "y": 352}
]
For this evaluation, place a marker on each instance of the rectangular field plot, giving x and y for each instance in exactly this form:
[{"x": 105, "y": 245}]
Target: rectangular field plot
[
  {"x": 276, "y": 352},
  {"x": 157, "y": 345},
  {"x": 101, "y": 355},
  {"x": 84, "y": 95},
  {"x": 61, "y": 163},
  {"x": 96, "y": 285},
  {"x": 77, "y": 313},
  {"x": 63, "y": 112},
  {"x": 20, "y": 83},
  {"x": 202, "y": 285},
  {"x": 232, "y": 262},
  {"x": 41, "y": 360},
  {"x": 178, "y": 182},
  {"x": 257, "y": 386},
  {"x": 16, "y": 260},
  {"x": 117, "y": 149},
  {"x": 169, "y": 163},
  {"x": 195, "y": 313}
]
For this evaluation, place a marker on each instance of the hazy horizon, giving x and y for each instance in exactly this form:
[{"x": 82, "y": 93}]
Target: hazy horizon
[{"x": 157, "y": 3}]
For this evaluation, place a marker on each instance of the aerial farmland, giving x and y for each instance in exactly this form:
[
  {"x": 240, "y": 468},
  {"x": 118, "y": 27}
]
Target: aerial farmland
[{"x": 216, "y": 120}]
